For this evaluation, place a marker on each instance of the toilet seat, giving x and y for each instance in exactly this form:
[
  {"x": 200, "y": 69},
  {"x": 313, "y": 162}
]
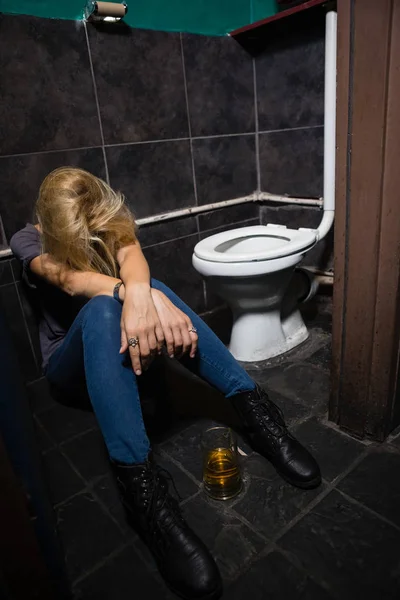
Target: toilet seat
[{"x": 255, "y": 243}]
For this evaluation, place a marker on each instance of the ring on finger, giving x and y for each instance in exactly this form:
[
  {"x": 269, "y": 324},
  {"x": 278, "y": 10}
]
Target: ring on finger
[
  {"x": 192, "y": 329},
  {"x": 133, "y": 342}
]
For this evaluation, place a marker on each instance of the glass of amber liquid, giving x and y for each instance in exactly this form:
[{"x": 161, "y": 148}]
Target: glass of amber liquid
[{"x": 221, "y": 470}]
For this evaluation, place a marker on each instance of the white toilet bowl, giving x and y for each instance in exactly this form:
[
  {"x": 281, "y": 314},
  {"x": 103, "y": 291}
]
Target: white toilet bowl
[{"x": 250, "y": 268}]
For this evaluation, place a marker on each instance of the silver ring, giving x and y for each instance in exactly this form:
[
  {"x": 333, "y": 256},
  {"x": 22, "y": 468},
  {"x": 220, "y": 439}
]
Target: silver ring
[
  {"x": 193, "y": 330},
  {"x": 133, "y": 342}
]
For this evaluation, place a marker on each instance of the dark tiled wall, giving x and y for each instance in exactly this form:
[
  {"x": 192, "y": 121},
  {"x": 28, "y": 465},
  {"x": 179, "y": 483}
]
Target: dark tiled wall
[
  {"x": 169, "y": 119},
  {"x": 172, "y": 120},
  {"x": 290, "y": 102}
]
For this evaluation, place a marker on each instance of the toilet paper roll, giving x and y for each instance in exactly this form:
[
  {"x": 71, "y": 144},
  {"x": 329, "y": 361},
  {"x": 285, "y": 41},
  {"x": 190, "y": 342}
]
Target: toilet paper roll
[{"x": 110, "y": 9}]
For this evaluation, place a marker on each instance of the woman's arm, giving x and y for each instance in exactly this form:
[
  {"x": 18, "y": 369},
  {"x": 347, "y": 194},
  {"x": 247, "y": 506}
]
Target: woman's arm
[
  {"x": 139, "y": 317},
  {"x": 74, "y": 283},
  {"x": 148, "y": 314},
  {"x": 133, "y": 267}
]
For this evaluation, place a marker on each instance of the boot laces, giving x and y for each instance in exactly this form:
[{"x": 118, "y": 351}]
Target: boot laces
[
  {"x": 159, "y": 499},
  {"x": 268, "y": 415}
]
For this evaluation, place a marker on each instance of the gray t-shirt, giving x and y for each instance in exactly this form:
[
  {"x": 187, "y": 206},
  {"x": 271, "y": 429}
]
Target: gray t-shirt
[{"x": 56, "y": 309}]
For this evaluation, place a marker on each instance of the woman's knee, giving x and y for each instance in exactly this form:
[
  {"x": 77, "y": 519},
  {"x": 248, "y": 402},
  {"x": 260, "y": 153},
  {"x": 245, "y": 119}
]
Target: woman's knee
[{"x": 103, "y": 309}]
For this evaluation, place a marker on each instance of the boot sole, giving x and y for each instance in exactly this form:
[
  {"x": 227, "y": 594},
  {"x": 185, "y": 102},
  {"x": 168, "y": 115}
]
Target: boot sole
[
  {"x": 213, "y": 596},
  {"x": 303, "y": 485}
]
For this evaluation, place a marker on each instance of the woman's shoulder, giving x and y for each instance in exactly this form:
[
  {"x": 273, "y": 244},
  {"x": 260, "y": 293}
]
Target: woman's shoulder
[{"x": 25, "y": 243}]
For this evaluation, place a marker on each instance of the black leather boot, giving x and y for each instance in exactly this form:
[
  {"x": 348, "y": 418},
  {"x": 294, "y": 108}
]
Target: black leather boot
[
  {"x": 267, "y": 434},
  {"x": 182, "y": 558}
]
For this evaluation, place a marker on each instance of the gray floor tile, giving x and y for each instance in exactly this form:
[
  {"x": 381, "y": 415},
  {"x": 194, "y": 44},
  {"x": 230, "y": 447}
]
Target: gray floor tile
[
  {"x": 344, "y": 545},
  {"x": 61, "y": 479},
  {"x": 88, "y": 453},
  {"x": 122, "y": 578},
  {"x": 231, "y": 542},
  {"x": 62, "y": 422},
  {"x": 270, "y": 503},
  {"x": 273, "y": 577},
  {"x": 334, "y": 451},
  {"x": 305, "y": 383},
  {"x": 87, "y": 533},
  {"x": 376, "y": 483}
]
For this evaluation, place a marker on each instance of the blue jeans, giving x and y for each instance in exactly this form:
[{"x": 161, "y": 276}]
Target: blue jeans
[{"x": 91, "y": 347}]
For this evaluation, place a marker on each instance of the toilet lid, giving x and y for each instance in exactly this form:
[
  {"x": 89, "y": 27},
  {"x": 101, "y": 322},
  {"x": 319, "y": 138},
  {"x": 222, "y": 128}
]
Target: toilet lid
[{"x": 256, "y": 243}]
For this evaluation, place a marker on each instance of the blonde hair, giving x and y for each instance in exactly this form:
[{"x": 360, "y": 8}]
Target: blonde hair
[{"x": 83, "y": 221}]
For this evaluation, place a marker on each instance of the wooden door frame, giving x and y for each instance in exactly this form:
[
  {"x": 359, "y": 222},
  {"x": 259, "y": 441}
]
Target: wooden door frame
[{"x": 366, "y": 315}]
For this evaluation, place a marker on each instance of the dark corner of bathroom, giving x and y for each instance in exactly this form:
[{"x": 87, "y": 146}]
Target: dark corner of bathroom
[{"x": 199, "y": 284}]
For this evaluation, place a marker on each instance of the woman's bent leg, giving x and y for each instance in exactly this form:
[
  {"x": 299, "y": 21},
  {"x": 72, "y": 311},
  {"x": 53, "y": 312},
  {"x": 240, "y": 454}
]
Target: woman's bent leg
[
  {"x": 262, "y": 421},
  {"x": 94, "y": 341},
  {"x": 213, "y": 362}
]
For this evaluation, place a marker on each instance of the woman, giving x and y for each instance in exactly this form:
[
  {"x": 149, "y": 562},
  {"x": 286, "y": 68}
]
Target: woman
[{"x": 100, "y": 307}]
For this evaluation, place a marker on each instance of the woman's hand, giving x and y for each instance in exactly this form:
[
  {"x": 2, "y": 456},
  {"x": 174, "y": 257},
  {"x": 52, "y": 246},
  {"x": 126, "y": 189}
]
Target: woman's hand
[
  {"x": 175, "y": 325},
  {"x": 140, "y": 320}
]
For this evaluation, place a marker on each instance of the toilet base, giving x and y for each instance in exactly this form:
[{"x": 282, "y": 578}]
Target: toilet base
[{"x": 259, "y": 336}]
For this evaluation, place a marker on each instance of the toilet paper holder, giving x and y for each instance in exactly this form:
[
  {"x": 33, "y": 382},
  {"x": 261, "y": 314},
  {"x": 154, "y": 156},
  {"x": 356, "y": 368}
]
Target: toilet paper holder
[{"x": 105, "y": 11}]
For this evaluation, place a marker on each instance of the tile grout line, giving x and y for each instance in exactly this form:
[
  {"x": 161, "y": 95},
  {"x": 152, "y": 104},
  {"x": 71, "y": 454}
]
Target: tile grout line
[
  {"x": 70, "y": 439},
  {"x": 196, "y": 200},
  {"x": 179, "y": 465},
  {"x": 393, "y": 447},
  {"x": 143, "y": 142},
  {"x": 101, "y": 563},
  {"x": 62, "y": 503},
  {"x": 88, "y": 488},
  {"x": 88, "y": 485},
  {"x": 97, "y": 102},
  {"x": 38, "y": 152},
  {"x": 258, "y": 170},
  {"x": 182, "y": 237},
  {"x": 187, "y": 110},
  {"x": 186, "y": 500},
  {"x": 318, "y": 499},
  {"x": 272, "y": 542},
  {"x": 223, "y": 135},
  {"x": 368, "y": 509},
  {"x": 157, "y": 141},
  {"x": 334, "y": 427},
  {"x": 77, "y": 436},
  {"x": 5, "y": 285},
  {"x": 292, "y": 559},
  {"x": 305, "y": 127},
  {"x": 243, "y": 520}
]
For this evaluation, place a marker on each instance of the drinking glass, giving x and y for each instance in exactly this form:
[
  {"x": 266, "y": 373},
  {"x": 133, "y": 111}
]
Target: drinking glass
[{"x": 221, "y": 470}]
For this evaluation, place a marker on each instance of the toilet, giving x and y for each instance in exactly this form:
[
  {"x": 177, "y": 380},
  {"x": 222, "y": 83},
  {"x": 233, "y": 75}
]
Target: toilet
[{"x": 251, "y": 268}]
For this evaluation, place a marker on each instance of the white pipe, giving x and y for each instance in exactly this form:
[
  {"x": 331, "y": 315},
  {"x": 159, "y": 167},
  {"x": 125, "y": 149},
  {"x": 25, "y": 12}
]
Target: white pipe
[
  {"x": 265, "y": 196},
  {"x": 5, "y": 252},
  {"x": 317, "y": 271},
  {"x": 308, "y": 290},
  {"x": 329, "y": 124},
  {"x": 324, "y": 279},
  {"x": 195, "y": 210},
  {"x": 256, "y": 197}
]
